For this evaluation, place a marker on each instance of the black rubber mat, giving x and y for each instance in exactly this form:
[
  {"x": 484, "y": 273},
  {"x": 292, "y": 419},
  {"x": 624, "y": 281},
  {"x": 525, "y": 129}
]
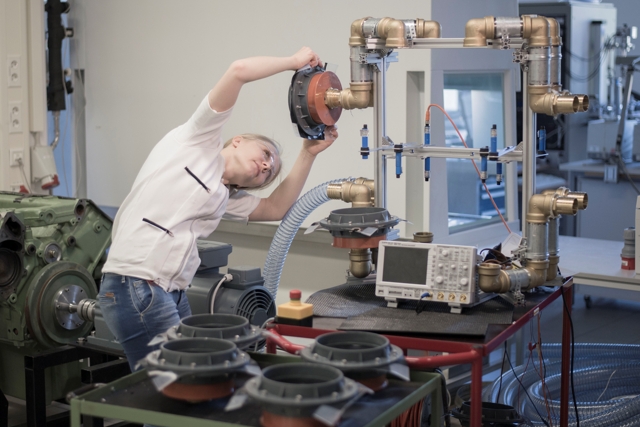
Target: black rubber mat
[{"x": 366, "y": 312}]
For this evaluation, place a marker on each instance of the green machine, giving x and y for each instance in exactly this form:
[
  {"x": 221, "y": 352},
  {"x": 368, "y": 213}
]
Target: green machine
[{"x": 51, "y": 254}]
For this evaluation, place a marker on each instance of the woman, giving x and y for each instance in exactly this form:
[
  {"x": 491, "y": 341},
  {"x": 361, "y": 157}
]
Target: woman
[{"x": 187, "y": 184}]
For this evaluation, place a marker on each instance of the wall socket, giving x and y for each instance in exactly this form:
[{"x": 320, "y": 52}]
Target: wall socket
[
  {"x": 15, "y": 71},
  {"x": 16, "y": 155},
  {"x": 15, "y": 117}
]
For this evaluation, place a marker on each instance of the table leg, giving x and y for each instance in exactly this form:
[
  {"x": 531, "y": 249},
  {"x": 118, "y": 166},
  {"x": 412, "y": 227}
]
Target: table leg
[
  {"x": 476, "y": 391},
  {"x": 566, "y": 357}
]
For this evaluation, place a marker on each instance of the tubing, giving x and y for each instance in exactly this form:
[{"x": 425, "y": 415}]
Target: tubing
[
  {"x": 606, "y": 380},
  {"x": 274, "y": 337},
  {"x": 287, "y": 230}
]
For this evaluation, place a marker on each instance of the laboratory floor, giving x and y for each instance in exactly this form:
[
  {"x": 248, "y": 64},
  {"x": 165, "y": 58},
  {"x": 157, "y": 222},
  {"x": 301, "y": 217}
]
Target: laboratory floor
[{"x": 606, "y": 321}]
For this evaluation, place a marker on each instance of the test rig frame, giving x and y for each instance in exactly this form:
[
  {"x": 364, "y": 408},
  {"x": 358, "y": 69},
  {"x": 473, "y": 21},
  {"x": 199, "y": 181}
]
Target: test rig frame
[{"x": 535, "y": 41}]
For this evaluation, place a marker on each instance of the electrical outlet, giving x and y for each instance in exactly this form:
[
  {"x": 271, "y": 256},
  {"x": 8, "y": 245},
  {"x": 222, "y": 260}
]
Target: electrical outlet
[
  {"x": 16, "y": 156},
  {"x": 15, "y": 117},
  {"x": 15, "y": 71}
]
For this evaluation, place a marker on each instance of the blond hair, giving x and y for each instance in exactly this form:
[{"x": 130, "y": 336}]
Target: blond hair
[{"x": 277, "y": 152}]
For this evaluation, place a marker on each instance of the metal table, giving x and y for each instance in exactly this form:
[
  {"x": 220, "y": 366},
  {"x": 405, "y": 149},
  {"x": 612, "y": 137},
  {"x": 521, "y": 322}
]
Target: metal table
[
  {"x": 469, "y": 351},
  {"x": 595, "y": 263}
]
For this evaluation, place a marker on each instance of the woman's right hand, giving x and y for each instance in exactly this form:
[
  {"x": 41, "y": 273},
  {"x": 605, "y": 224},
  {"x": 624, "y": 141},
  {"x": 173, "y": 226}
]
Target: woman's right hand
[{"x": 305, "y": 56}]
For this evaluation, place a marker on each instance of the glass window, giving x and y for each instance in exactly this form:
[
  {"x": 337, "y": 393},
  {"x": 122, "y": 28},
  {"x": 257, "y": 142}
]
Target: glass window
[{"x": 475, "y": 102}]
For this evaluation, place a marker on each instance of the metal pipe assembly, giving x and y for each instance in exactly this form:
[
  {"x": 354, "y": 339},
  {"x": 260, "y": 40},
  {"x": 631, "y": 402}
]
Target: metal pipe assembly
[
  {"x": 540, "y": 58},
  {"x": 538, "y": 268},
  {"x": 360, "y": 193},
  {"x": 554, "y": 227},
  {"x": 537, "y": 48}
]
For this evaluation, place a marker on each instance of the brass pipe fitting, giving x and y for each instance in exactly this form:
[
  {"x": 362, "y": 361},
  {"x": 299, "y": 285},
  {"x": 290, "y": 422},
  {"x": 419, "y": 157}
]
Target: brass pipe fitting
[
  {"x": 554, "y": 32},
  {"x": 423, "y": 237},
  {"x": 536, "y": 30},
  {"x": 360, "y": 262},
  {"x": 359, "y": 195},
  {"x": 581, "y": 197},
  {"x": 357, "y": 39},
  {"x": 537, "y": 272},
  {"x": 478, "y": 30},
  {"x": 393, "y": 32},
  {"x": 491, "y": 279},
  {"x": 358, "y": 95},
  {"x": 370, "y": 183},
  {"x": 583, "y": 101},
  {"x": 428, "y": 29},
  {"x": 544, "y": 206},
  {"x": 545, "y": 101}
]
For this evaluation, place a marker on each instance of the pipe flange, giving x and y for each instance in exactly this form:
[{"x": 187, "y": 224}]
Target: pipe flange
[
  {"x": 198, "y": 357},
  {"x": 309, "y": 113},
  {"x": 228, "y": 327},
  {"x": 354, "y": 222},
  {"x": 296, "y": 390},
  {"x": 354, "y": 353}
]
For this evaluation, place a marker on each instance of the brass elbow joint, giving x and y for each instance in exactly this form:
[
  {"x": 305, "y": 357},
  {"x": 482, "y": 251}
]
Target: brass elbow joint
[
  {"x": 478, "y": 30},
  {"x": 393, "y": 32},
  {"x": 358, "y": 194},
  {"x": 428, "y": 29},
  {"x": 491, "y": 279},
  {"x": 537, "y": 272},
  {"x": 544, "y": 206},
  {"x": 359, "y": 95},
  {"x": 357, "y": 38},
  {"x": 554, "y": 32},
  {"x": 536, "y": 30},
  {"x": 544, "y": 101}
]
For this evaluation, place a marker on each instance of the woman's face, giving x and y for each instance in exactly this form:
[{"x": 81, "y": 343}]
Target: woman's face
[{"x": 258, "y": 162}]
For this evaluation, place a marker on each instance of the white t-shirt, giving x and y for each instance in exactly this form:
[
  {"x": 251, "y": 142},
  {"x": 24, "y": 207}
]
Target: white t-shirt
[{"x": 178, "y": 189}]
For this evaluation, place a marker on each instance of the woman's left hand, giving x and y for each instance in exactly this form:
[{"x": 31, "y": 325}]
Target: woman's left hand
[{"x": 314, "y": 147}]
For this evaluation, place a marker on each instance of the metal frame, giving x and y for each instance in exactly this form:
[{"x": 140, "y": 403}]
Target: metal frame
[
  {"x": 472, "y": 351},
  {"x": 35, "y": 366}
]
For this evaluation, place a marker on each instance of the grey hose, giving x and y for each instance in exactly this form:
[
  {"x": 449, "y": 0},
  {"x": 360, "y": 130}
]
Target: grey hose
[{"x": 287, "y": 230}]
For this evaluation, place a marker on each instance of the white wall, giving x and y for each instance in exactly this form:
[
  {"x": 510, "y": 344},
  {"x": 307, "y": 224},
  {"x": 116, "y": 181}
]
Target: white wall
[{"x": 149, "y": 63}]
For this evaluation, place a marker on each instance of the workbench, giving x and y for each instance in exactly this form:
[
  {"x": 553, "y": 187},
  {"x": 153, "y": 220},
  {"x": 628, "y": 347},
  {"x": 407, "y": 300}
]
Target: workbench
[{"x": 595, "y": 265}]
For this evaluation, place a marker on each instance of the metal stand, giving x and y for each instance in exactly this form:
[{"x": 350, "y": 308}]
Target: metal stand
[{"x": 35, "y": 366}]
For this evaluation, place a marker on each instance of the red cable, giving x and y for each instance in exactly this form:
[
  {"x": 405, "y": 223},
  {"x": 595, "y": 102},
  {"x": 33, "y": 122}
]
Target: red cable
[{"x": 427, "y": 119}]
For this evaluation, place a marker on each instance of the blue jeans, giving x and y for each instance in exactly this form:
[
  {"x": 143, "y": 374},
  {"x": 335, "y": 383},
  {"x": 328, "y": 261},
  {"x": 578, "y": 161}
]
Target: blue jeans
[{"x": 136, "y": 311}]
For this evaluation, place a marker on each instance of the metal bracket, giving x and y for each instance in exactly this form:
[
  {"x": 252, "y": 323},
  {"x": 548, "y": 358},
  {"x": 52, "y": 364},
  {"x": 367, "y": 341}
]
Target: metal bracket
[
  {"x": 520, "y": 56},
  {"x": 504, "y": 42}
]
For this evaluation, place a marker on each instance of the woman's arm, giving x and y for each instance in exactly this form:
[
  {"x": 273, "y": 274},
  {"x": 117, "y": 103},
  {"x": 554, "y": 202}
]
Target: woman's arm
[
  {"x": 224, "y": 94},
  {"x": 274, "y": 207}
]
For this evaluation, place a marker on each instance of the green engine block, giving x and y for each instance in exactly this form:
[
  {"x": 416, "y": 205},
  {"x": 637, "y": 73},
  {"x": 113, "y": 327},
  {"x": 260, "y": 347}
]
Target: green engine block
[{"x": 51, "y": 254}]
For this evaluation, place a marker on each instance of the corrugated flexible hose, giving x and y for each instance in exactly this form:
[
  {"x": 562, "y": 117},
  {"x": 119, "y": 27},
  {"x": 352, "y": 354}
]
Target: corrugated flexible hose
[
  {"x": 606, "y": 379},
  {"x": 287, "y": 230}
]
